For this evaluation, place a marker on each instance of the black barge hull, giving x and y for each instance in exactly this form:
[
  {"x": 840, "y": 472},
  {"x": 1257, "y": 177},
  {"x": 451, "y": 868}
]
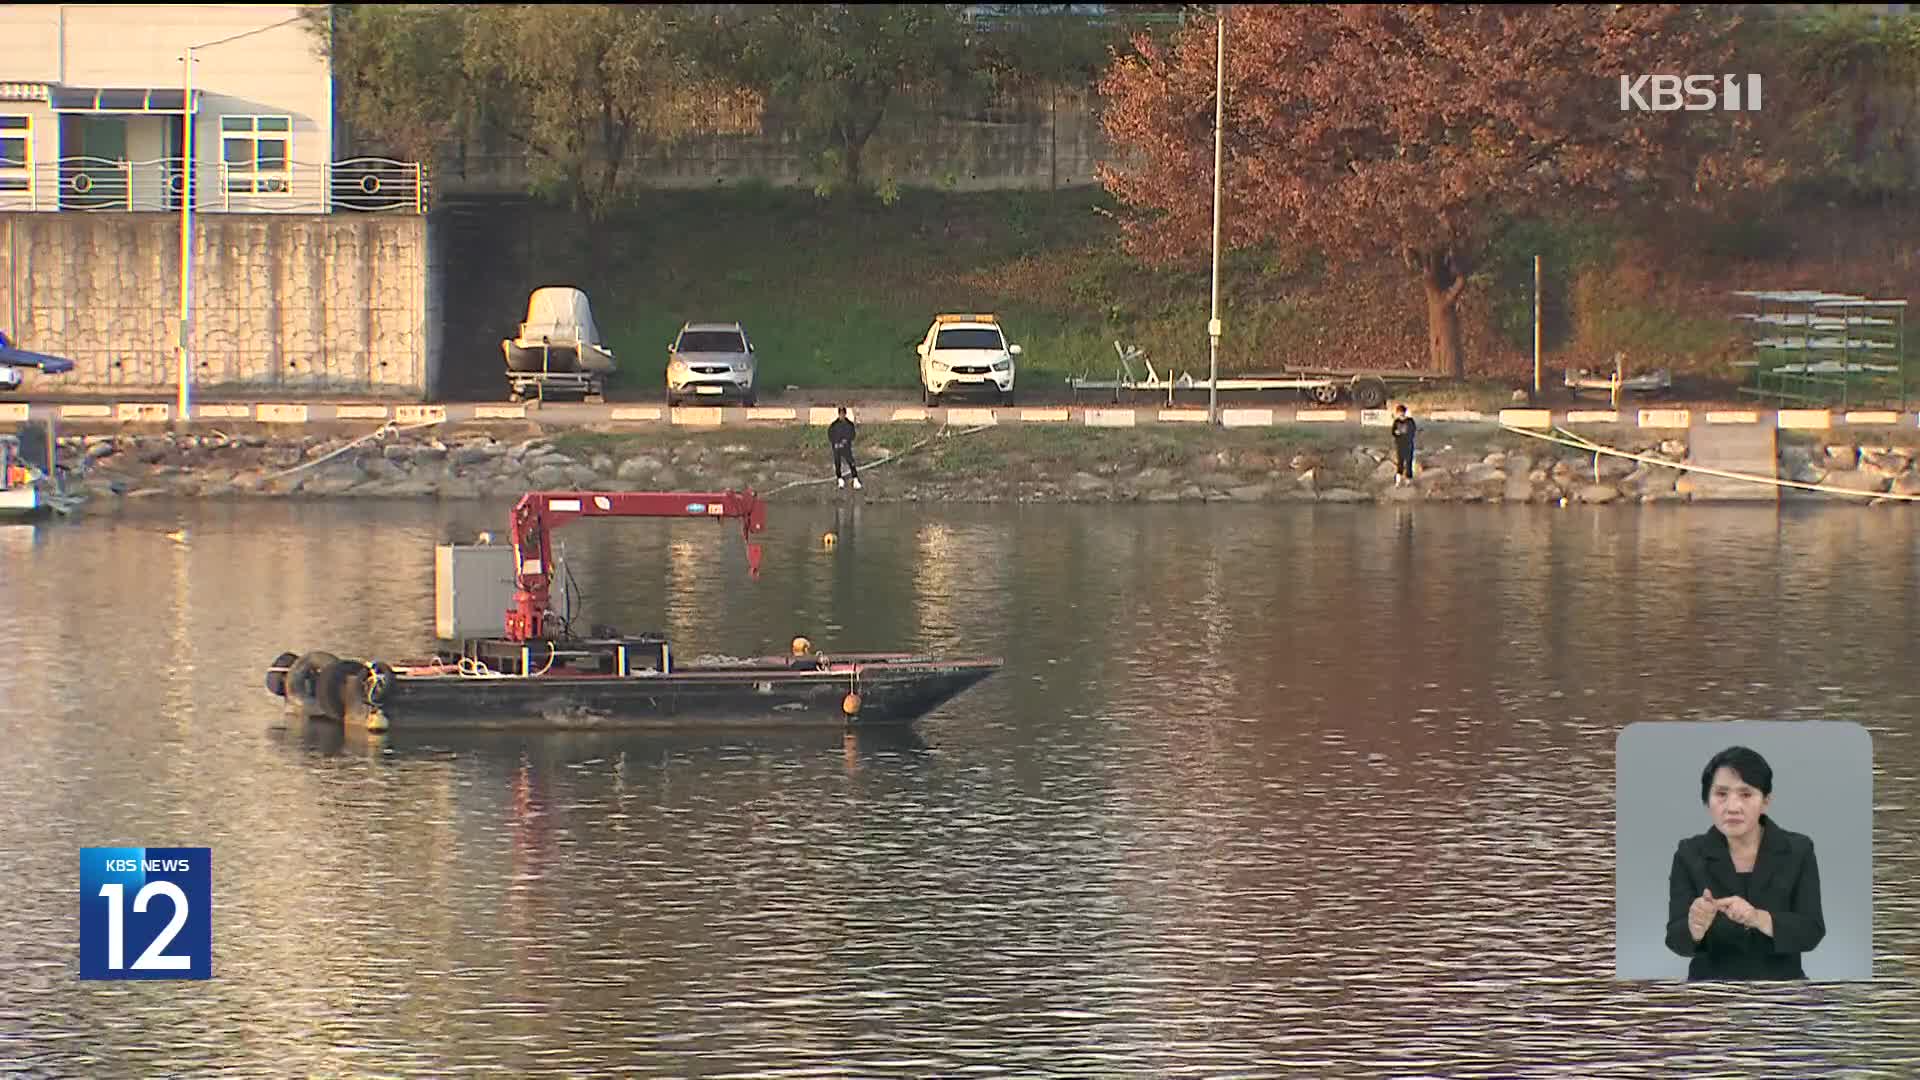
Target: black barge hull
[{"x": 847, "y": 691}]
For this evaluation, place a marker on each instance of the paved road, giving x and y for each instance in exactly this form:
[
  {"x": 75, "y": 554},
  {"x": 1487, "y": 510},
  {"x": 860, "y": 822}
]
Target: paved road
[{"x": 870, "y": 409}]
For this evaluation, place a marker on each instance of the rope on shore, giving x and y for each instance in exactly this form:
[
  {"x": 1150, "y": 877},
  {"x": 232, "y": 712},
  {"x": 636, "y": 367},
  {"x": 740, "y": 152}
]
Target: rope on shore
[
  {"x": 388, "y": 428},
  {"x": 889, "y": 459},
  {"x": 1579, "y": 442}
]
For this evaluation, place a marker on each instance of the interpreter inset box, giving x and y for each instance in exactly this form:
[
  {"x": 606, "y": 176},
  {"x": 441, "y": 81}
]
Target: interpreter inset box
[{"x": 1743, "y": 851}]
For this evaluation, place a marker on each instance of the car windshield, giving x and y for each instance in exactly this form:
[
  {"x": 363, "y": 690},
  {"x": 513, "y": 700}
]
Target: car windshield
[
  {"x": 978, "y": 338},
  {"x": 711, "y": 341}
]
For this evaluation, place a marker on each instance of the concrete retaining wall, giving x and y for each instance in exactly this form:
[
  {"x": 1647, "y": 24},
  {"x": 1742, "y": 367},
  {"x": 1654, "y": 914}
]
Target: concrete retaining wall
[{"x": 304, "y": 303}]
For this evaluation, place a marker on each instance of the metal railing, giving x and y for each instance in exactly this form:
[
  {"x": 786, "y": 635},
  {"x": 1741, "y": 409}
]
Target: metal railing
[{"x": 354, "y": 185}]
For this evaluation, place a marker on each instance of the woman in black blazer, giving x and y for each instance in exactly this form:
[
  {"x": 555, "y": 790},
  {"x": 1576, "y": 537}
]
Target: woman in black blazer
[{"x": 1744, "y": 896}]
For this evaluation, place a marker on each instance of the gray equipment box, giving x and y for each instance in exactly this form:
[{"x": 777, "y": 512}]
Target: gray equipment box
[{"x": 472, "y": 590}]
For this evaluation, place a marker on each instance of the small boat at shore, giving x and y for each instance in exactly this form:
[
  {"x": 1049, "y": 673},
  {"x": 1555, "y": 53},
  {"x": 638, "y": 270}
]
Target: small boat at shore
[
  {"x": 540, "y": 675},
  {"x": 558, "y": 335}
]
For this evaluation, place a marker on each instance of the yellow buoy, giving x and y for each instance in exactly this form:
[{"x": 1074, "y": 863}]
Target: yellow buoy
[
  {"x": 850, "y": 704},
  {"x": 801, "y": 646},
  {"x": 376, "y": 720},
  {"x": 830, "y": 539}
]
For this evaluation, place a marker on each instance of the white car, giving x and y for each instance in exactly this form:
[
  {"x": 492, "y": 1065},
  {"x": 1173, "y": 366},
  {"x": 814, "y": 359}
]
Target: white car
[{"x": 966, "y": 353}]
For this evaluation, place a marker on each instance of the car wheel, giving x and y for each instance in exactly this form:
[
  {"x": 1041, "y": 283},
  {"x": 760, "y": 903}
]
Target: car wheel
[
  {"x": 1006, "y": 397},
  {"x": 749, "y": 400}
]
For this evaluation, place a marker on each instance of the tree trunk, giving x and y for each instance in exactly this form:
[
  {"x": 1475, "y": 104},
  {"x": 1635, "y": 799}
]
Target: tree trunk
[
  {"x": 850, "y": 152},
  {"x": 1444, "y": 282},
  {"x": 1053, "y": 138}
]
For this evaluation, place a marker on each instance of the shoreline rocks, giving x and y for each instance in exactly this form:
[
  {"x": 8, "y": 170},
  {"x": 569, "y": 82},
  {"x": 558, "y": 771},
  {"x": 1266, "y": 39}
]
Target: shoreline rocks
[{"x": 113, "y": 469}]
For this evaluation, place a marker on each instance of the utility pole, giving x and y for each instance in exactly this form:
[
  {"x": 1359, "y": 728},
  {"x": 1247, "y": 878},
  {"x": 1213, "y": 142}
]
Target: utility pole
[
  {"x": 186, "y": 238},
  {"x": 1219, "y": 121},
  {"x": 1536, "y": 329}
]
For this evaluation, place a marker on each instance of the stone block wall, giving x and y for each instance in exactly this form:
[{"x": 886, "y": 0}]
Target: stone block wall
[{"x": 321, "y": 303}]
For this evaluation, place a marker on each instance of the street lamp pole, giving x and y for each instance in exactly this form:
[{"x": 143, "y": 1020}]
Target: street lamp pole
[
  {"x": 186, "y": 208},
  {"x": 1219, "y": 118},
  {"x": 186, "y": 238}
]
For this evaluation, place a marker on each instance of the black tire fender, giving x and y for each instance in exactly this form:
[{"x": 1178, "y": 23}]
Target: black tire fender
[
  {"x": 302, "y": 678},
  {"x": 330, "y": 687},
  {"x": 277, "y": 674}
]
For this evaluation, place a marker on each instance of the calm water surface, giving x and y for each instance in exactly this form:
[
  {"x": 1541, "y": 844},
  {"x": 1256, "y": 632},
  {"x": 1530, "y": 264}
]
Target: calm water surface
[{"x": 1262, "y": 791}]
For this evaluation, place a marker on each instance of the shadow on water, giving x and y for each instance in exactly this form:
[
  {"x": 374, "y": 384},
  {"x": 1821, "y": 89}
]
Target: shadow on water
[{"x": 563, "y": 749}]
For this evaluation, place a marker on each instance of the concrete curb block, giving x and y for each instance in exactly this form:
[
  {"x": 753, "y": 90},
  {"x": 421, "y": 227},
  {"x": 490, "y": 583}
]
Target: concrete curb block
[
  {"x": 699, "y": 415},
  {"x": 142, "y": 413},
  {"x": 1803, "y": 419},
  {"x": 1527, "y": 418},
  {"x": 1873, "y": 417}
]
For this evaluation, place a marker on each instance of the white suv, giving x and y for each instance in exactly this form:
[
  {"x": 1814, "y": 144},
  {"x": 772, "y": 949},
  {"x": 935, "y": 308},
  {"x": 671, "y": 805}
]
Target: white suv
[{"x": 966, "y": 352}]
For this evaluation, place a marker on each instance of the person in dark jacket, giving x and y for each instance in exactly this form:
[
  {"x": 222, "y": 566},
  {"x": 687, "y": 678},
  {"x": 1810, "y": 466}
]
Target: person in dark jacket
[
  {"x": 1744, "y": 896},
  {"x": 1403, "y": 429},
  {"x": 840, "y": 436}
]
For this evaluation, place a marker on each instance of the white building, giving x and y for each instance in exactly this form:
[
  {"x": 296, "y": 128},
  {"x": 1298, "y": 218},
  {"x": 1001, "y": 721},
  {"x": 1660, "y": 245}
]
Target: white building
[{"x": 91, "y": 112}]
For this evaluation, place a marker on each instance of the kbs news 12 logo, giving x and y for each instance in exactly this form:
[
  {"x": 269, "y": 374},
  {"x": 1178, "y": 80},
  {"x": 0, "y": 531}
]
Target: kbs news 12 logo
[
  {"x": 1692, "y": 93},
  {"x": 146, "y": 913}
]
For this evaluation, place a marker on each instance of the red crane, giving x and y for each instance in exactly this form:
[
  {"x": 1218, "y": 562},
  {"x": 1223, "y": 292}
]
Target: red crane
[{"x": 538, "y": 513}]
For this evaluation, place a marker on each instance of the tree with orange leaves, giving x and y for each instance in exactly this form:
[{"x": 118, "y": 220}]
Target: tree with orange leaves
[{"x": 1415, "y": 131}]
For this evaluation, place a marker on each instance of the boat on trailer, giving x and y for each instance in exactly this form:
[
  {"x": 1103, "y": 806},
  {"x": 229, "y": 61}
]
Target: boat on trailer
[{"x": 538, "y": 674}]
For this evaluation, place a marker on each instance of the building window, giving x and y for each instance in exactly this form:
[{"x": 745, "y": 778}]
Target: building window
[
  {"x": 16, "y": 153},
  {"x": 254, "y": 150}
]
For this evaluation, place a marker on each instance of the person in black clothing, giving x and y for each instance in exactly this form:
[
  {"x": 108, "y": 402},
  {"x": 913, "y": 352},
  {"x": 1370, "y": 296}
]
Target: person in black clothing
[
  {"x": 1744, "y": 896},
  {"x": 1403, "y": 429},
  {"x": 840, "y": 437}
]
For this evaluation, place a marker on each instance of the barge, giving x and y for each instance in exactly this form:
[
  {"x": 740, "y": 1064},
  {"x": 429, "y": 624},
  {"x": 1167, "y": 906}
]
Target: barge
[{"x": 540, "y": 675}]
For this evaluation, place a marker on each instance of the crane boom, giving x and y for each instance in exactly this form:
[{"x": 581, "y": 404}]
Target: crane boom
[{"x": 538, "y": 513}]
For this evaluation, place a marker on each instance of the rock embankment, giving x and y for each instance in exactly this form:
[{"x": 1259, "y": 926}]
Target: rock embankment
[{"x": 455, "y": 464}]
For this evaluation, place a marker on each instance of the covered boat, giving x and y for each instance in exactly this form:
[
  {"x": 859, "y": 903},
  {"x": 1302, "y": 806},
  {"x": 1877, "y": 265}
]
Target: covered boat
[{"x": 558, "y": 336}]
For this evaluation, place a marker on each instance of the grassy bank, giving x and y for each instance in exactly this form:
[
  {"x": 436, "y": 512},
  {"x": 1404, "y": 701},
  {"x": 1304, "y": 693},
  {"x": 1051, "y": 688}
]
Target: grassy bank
[{"x": 835, "y": 294}]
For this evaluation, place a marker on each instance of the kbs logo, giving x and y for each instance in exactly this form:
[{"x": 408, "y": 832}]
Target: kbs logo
[
  {"x": 1692, "y": 93},
  {"x": 146, "y": 913}
]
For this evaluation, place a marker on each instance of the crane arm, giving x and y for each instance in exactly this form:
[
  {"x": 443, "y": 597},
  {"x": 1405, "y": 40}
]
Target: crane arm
[{"x": 538, "y": 513}]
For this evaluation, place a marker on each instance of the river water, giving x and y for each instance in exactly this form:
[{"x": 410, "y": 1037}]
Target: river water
[{"x": 1262, "y": 791}]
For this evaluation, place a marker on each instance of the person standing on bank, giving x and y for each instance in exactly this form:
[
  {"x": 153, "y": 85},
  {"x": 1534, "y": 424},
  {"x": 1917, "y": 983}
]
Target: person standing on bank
[
  {"x": 840, "y": 436},
  {"x": 1403, "y": 429},
  {"x": 1744, "y": 896}
]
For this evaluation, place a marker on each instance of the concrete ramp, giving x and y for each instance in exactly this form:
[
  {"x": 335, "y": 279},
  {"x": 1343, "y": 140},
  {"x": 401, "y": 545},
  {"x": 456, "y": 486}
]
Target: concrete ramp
[{"x": 1741, "y": 448}]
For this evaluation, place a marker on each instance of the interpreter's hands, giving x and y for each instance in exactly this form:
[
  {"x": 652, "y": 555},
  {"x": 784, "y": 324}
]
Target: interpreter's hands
[
  {"x": 1737, "y": 909},
  {"x": 1700, "y": 913}
]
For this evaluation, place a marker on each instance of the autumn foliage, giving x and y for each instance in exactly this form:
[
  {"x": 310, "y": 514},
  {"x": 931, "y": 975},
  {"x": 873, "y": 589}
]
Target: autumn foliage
[{"x": 1414, "y": 132}]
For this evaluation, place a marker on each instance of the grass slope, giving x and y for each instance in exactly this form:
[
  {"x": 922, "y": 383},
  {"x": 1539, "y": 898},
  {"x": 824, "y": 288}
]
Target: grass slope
[{"x": 836, "y": 294}]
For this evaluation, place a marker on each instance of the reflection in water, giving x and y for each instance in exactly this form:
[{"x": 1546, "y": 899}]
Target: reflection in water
[{"x": 1325, "y": 789}]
